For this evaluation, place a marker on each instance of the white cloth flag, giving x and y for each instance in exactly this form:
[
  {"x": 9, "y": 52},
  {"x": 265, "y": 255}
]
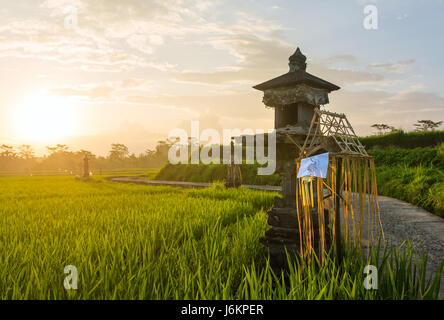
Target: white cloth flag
[{"x": 315, "y": 166}]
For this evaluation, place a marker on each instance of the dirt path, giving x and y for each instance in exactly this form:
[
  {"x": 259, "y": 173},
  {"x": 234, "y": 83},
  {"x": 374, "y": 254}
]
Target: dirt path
[{"x": 400, "y": 221}]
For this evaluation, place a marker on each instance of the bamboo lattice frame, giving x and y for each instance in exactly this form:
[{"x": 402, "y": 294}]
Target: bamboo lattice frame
[{"x": 326, "y": 124}]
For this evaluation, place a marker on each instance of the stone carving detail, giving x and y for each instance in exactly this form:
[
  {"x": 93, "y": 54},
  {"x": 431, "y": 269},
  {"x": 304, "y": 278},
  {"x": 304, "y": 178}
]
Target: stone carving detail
[{"x": 301, "y": 93}]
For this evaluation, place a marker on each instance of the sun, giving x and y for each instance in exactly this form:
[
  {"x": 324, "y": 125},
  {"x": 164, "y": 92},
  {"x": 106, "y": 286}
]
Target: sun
[{"x": 42, "y": 117}]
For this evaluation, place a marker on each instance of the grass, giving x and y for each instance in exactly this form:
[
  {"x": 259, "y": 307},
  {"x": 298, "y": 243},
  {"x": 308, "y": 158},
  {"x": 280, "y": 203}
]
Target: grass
[
  {"x": 212, "y": 173},
  {"x": 421, "y": 186},
  {"x": 138, "y": 242},
  {"x": 423, "y": 156},
  {"x": 413, "y": 175},
  {"x": 108, "y": 172},
  {"x": 405, "y": 140}
]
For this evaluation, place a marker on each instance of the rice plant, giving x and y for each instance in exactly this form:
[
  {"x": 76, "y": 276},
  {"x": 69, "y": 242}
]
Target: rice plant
[{"x": 139, "y": 242}]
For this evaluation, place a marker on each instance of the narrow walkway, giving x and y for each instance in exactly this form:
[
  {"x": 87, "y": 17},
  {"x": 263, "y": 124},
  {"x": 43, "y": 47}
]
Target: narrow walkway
[
  {"x": 400, "y": 221},
  {"x": 184, "y": 184}
]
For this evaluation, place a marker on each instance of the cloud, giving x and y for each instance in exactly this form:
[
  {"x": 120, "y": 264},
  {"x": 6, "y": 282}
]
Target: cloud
[
  {"x": 50, "y": 41},
  {"x": 241, "y": 105},
  {"x": 362, "y": 2},
  {"x": 103, "y": 91},
  {"x": 111, "y": 35},
  {"x": 347, "y": 58},
  {"x": 415, "y": 101},
  {"x": 91, "y": 93},
  {"x": 116, "y": 36},
  {"x": 261, "y": 52},
  {"x": 399, "y": 67},
  {"x": 263, "y": 58},
  {"x": 259, "y": 57},
  {"x": 343, "y": 77},
  {"x": 399, "y": 109},
  {"x": 145, "y": 43}
]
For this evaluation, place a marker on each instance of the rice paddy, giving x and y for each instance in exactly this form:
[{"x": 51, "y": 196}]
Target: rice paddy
[{"x": 139, "y": 242}]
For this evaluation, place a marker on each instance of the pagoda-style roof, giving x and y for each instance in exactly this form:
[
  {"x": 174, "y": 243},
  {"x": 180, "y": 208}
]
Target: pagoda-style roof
[
  {"x": 296, "y": 75},
  {"x": 294, "y": 78}
]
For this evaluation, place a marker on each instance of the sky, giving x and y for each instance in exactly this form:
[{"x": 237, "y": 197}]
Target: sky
[{"x": 88, "y": 73}]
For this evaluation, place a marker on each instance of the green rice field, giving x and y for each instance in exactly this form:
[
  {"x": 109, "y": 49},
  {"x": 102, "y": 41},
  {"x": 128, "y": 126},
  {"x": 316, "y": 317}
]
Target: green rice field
[{"x": 139, "y": 242}]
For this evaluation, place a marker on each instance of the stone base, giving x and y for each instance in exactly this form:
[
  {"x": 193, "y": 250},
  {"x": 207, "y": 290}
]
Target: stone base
[{"x": 284, "y": 235}]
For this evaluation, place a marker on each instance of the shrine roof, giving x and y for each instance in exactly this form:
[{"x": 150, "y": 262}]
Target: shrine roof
[
  {"x": 296, "y": 75},
  {"x": 294, "y": 78}
]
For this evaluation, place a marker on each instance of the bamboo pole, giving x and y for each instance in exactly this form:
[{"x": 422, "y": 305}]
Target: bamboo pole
[{"x": 338, "y": 243}]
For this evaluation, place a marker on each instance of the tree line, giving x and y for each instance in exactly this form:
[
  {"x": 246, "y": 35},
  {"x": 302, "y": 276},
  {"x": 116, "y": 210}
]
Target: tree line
[
  {"x": 60, "y": 157},
  {"x": 420, "y": 125}
]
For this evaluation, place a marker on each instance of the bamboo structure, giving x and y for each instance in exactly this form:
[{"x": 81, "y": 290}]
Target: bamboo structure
[{"x": 349, "y": 186}]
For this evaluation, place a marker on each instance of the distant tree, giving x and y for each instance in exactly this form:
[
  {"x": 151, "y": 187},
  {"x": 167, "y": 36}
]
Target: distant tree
[
  {"x": 118, "y": 151},
  {"x": 425, "y": 125},
  {"x": 149, "y": 152},
  {"x": 8, "y": 158},
  {"x": 87, "y": 153},
  {"x": 59, "y": 148},
  {"x": 7, "y": 151},
  {"x": 26, "y": 152},
  {"x": 62, "y": 159},
  {"x": 382, "y": 128},
  {"x": 162, "y": 149},
  {"x": 391, "y": 128}
]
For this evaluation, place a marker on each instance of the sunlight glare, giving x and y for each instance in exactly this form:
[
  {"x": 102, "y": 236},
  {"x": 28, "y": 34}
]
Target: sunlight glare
[{"x": 45, "y": 118}]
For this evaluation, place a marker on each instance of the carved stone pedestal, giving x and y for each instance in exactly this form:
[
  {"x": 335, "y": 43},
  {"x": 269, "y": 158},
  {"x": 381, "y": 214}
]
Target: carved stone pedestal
[{"x": 284, "y": 234}]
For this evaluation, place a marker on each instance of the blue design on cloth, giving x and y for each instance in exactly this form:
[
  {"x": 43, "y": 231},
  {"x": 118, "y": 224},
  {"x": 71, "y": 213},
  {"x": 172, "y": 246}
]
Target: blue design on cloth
[{"x": 315, "y": 166}]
